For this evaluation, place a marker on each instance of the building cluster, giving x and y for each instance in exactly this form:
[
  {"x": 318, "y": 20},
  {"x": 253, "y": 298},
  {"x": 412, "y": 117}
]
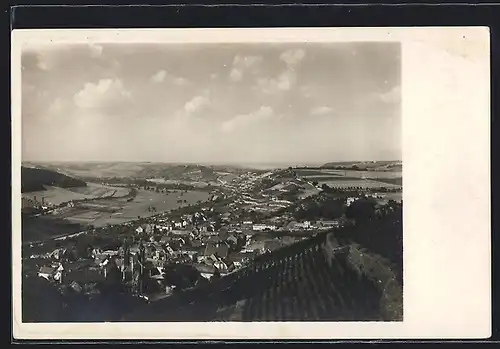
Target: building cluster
[{"x": 168, "y": 251}]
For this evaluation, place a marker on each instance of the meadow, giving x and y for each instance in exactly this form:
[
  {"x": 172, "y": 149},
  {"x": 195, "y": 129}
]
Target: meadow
[
  {"x": 350, "y": 178},
  {"x": 57, "y": 196},
  {"x": 117, "y": 211},
  {"x": 348, "y": 173}
]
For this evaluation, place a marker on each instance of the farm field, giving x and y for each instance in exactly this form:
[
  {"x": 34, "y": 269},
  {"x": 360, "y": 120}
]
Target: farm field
[
  {"x": 103, "y": 212},
  {"x": 183, "y": 182},
  {"x": 348, "y": 173},
  {"x": 397, "y": 181},
  {"x": 349, "y": 178},
  {"x": 346, "y": 183},
  {"x": 41, "y": 228},
  {"x": 57, "y": 196},
  {"x": 392, "y": 196}
]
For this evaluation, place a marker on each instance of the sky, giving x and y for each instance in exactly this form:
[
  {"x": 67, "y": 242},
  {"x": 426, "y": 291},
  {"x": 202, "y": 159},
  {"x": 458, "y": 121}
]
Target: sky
[{"x": 212, "y": 103}]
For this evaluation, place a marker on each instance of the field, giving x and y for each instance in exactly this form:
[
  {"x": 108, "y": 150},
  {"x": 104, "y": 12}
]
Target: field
[
  {"x": 392, "y": 196},
  {"x": 57, "y": 196},
  {"x": 350, "y": 178},
  {"x": 41, "y": 228},
  {"x": 103, "y": 212},
  {"x": 348, "y": 173}
]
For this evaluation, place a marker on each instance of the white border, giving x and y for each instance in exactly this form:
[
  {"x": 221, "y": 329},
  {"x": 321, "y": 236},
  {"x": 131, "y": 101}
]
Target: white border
[{"x": 446, "y": 154}]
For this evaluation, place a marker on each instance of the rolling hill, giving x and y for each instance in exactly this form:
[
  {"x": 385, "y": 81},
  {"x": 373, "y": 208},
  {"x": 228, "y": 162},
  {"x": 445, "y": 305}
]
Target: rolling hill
[{"x": 36, "y": 179}]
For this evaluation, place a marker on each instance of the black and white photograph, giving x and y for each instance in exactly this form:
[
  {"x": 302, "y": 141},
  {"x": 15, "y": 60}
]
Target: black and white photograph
[{"x": 212, "y": 181}]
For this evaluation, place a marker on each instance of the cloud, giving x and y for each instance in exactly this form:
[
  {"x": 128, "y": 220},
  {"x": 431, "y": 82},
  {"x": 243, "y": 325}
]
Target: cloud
[
  {"x": 197, "y": 103},
  {"x": 293, "y": 57},
  {"x": 159, "y": 76},
  {"x": 213, "y": 76},
  {"x": 284, "y": 82},
  {"x": 243, "y": 64},
  {"x": 179, "y": 81},
  {"x": 236, "y": 74},
  {"x": 307, "y": 91},
  {"x": 246, "y": 61},
  {"x": 392, "y": 96},
  {"x": 46, "y": 60},
  {"x": 95, "y": 50},
  {"x": 245, "y": 120},
  {"x": 162, "y": 76},
  {"x": 57, "y": 106},
  {"x": 287, "y": 79},
  {"x": 321, "y": 110},
  {"x": 102, "y": 94}
]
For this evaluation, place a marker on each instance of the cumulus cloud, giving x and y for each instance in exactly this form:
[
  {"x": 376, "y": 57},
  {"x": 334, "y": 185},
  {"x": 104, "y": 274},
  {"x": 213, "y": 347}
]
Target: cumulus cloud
[
  {"x": 236, "y": 74},
  {"x": 293, "y": 57},
  {"x": 57, "y": 106},
  {"x": 307, "y": 91},
  {"x": 245, "y": 120},
  {"x": 321, "y": 110},
  {"x": 46, "y": 60},
  {"x": 163, "y": 76},
  {"x": 246, "y": 61},
  {"x": 179, "y": 81},
  {"x": 197, "y": 103},
  {"x": 284, "y": 82},
  {"x": 95, "y": 50},
  {"x": 102, "y": 94},
  {"x": 392, "y": 96},
  {"x": 159, "y": 76},
  {"x": 243, "y": 64}
]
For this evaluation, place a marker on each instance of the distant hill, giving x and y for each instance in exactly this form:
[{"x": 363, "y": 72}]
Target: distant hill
[
  {"x": 365, "y": 165},
  {"x": 35, "y": 179}
]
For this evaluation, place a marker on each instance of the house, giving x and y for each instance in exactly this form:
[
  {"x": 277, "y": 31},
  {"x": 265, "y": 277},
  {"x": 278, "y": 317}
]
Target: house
[
  {"x": 220, "y": 251},
  {"x": 299, "y": 225},
  {"x": 46, "y": 272},
  {"x": 76, "y": 287},
  {"x": 224, "y": 266},
  {"x": 232, "y": 239},
  {"x": 350, "y": 200},
  {"x": 181, "y": 232},
  {"x": 165, "y": 239},
  {"x": 216, "y": 239},
  {"x": 238, "y": 259},
  {"x": 84, "y": 276},
  {"x": 262, "y": 227},
  {"x": 59, "y": 253},
  {"x": 330, "y": 223},
  {"x": 259, "y": 246}
]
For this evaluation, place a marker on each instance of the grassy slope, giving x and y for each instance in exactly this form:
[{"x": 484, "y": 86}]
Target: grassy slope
[{"x": 35, "y": 179}]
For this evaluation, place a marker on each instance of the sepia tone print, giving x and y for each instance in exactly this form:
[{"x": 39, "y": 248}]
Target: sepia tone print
[{"x": 212, "y": 182}]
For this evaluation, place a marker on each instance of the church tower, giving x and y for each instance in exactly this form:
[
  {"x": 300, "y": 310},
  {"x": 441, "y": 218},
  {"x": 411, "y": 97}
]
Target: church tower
[
  {"x": 141, "y": 261},
  {"x": 126, "y": 260}
]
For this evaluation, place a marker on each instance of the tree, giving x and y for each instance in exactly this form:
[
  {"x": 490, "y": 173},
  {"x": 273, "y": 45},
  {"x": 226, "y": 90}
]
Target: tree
[{"x": 361, "y": 209}]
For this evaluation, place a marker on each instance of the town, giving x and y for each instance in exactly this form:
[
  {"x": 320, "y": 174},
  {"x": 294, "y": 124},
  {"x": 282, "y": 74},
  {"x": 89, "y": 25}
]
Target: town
[{"x": 155, "y": 257}]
